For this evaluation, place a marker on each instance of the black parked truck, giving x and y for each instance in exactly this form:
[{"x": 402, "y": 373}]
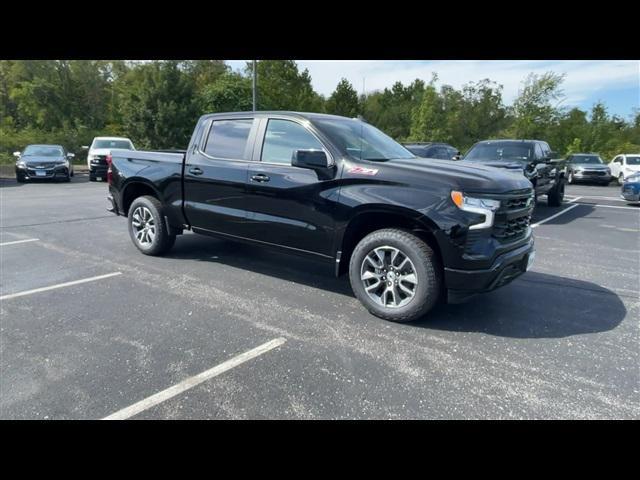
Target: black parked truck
[{"x": 408, "y": 231}]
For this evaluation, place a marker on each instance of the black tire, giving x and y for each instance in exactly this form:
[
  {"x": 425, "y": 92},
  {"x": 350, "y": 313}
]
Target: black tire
[
  {"x": 72, "y": 173},
  {"x": 162, "y": 241},
  {"x": 92, "y": 177},
  {"x": 426, "y": 268},
  {"x": 556, "y": 194},
  {"x": 67, "y": 179},
  {"x": 20, "y": 179}
]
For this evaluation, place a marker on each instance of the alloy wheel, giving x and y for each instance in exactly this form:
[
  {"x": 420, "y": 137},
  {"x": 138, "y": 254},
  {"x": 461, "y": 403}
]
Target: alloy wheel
[
  {"x": 389, "y": 277},
  {"x": 143, "y": 225}
]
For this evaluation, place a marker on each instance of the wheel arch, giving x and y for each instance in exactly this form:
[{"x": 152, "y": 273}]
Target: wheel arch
[
  {"x": 374, "y": 218},
  {"x": 137, "y": 187}
]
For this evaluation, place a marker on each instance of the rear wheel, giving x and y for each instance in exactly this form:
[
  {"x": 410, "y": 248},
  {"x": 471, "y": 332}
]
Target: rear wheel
[
  {"x": 147, "y": 228},
  {"x": 556, "y": 194},
  {"x": 395, "y": 275}
]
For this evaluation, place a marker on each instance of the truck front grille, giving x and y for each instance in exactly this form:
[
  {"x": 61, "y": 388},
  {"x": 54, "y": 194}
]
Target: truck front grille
[{"x": 512, "y": 219}]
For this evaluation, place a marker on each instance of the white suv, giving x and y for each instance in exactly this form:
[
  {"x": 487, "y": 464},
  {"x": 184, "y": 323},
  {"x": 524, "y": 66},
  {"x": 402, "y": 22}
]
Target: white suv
[
  {"x": 624, "y": 165},
  {"x": 98, "y": 151}
]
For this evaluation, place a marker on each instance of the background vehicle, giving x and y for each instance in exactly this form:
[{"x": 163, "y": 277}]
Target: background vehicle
[
  {"x": 631, "y": 188},
  {"x": 624, "y": 165},
  {"x": 587, "y": 167},
  {"x": 98, "y": 151},
  {"x": 43, "y": 162},
  {"x": 533, "y": 158},
  {"x": 408, "y": 230},
  {"x": 443, "y": 151}
]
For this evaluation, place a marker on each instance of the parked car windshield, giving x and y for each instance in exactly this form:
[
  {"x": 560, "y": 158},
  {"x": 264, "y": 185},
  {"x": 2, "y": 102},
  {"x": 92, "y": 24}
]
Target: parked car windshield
[
  {"x": 591, "y": 159},
  {"x": 42, "y": 151},
  {"x": 362, "y": 141},
  {"x": 501, "y": 151},
  {"x": 125, "y": 144},
  {"x": 633, "y": 160}
]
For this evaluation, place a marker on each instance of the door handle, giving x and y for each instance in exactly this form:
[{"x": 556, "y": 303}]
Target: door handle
[
  {"x": 260, "y": 177},
  {"x": 195, "y": 171}
]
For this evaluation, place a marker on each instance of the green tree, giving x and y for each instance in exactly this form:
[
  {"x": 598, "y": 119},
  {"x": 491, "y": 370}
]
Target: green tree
[
  {"x": 231, "y": 92},
  {"x": 536, "y": 107},
  {"x": 344, "y": 100},
  {"x": 157, "y": 104}
]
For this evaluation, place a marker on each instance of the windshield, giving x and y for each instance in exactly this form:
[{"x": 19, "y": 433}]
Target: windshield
[
  {"x": 633, "y": 160},
  {"x": 42, "y": 151},
  {"x": 591, "y": 159},
  {"x": 361, "y": 140},
  {"x": 501, "y": 151},
  {"x": 125, "y": 144}
]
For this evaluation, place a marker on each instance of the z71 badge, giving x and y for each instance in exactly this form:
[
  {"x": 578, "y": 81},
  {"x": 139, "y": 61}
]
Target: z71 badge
[{"x": 363, "y": 171}]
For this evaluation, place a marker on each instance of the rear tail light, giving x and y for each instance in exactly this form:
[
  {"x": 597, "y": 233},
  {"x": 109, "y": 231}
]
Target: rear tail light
[{"x": 109, "y": 171}]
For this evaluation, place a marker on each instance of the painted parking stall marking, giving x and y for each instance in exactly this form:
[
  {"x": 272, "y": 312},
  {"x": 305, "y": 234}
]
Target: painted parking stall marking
[
  {"x": 59, "y": 285},
  {"x": 194, "y": 381},
  {"x": 554, "y": 216},
  {"x": 15, "y": 242}
]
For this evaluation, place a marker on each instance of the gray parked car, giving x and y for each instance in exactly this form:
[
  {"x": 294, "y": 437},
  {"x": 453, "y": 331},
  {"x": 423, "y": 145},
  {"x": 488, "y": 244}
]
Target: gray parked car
[{"x": 587, "y": 167}]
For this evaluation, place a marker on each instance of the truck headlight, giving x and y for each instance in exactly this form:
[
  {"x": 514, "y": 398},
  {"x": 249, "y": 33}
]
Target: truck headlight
[{"x": 483, "y": 206}]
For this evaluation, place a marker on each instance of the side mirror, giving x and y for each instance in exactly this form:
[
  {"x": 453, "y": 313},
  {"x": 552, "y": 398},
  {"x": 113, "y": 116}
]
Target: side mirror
[
  {"x": 457, "y": 156},
  {"x": 313, "y": 159},
  {"x": 70, "y": 155},
  {"x": 16, "y": 154}
]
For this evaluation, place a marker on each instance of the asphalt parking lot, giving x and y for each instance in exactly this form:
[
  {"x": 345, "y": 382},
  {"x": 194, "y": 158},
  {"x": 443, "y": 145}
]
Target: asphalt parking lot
[{"x": 127, "y": 334}]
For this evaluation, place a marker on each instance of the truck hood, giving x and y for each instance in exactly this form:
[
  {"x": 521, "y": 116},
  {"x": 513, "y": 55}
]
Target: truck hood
[
  {"x": 462, "y": 175},
  {"x": 510, "y": 164},
  {"x": 100, "y": 151}
]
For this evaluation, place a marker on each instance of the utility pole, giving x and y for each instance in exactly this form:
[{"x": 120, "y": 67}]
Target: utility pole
[{"x": 255, "y": 76}]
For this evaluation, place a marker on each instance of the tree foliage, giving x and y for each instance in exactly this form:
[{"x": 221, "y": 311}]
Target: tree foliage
[{"x": 157, "y": 103}]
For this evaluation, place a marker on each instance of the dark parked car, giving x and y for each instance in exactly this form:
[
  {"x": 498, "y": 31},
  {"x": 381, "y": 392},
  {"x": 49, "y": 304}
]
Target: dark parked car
[
  {"x": 44, "y": 162},
  {"x": 533, "y": 158},
  {"x": 408, "y": 230},
  {"x": 631, "y": 188},
  {"x": 587, "y": 167},
  {"x": 442, "y": 151}
]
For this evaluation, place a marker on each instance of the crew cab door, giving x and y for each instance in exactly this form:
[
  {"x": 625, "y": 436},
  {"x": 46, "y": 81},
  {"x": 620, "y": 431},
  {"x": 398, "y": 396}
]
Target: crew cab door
[
  {"x": 290, "y": 206},
  {"x": 215, "y": 176}
]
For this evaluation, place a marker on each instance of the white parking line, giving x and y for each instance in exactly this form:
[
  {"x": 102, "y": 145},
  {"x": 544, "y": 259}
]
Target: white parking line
[
  {"x": 554, "y": 216},
  {"x": 612, "y": 206},
  {"x": 574, "y": 199},
  {"x": 59, "y": 285},
  {"x": 19, "y": 241},
  {"x": 191, "y": 382},
  {"x": 613, "y": 199}
]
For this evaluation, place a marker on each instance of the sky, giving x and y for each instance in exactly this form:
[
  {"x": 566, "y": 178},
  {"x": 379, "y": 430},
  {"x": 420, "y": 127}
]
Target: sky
[{"x": 615, "y": 82}]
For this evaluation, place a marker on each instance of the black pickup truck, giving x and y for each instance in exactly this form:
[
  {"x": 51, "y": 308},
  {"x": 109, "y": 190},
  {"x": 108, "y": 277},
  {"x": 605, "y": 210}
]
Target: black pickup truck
[{"x": 408, "y": 231}]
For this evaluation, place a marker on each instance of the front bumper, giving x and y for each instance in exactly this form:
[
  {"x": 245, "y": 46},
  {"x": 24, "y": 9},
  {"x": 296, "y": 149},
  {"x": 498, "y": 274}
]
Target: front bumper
[
  {"x": 591, "y": 177},
  {"x": 29, "y": 173},
  {"x": 462, "y": 284},
  {"x": 631, "y": 193}
]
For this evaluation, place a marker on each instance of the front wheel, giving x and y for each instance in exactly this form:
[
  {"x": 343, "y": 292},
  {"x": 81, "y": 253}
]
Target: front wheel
[
  {"x": 395, "y": 275},
  {"x": 556, "y": 195},
  {"x": 147, "y": 228}
]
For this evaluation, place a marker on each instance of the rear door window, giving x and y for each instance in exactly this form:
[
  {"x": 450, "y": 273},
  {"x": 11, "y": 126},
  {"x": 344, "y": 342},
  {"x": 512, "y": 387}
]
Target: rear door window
[{"x": 228, "y": 138}]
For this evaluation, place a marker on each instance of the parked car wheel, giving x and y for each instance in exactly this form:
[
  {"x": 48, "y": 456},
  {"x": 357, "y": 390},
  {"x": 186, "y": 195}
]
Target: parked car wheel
[
  {"x": 147, "y": 228},
  {"x": 395, "y": 275},
  {"x": 556, "y": 195},
  {"x": 20, "y": 179}
]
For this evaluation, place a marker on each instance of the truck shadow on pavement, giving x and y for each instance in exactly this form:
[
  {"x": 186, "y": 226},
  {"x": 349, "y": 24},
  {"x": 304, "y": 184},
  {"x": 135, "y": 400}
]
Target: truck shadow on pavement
[{"x": 536, "y": 305}]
